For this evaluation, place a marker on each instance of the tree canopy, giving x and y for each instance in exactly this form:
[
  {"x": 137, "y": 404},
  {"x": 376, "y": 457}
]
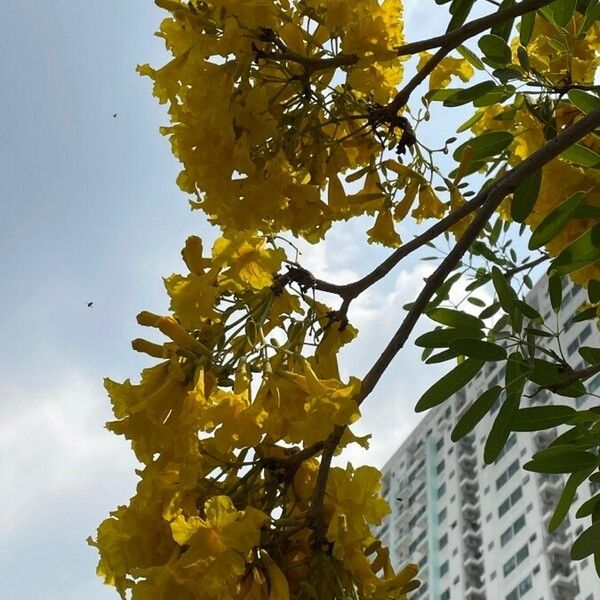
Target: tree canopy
[{"x": 287, "y": 117}]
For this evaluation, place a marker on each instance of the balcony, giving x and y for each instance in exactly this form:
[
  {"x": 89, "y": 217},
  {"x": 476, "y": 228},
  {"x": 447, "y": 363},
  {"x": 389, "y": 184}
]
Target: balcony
[
  {"x": 558, "y": 544},
  {"x": 474, "y": 589},
  {"x": 547, "y": 511},
  {"x": 550, "y": 484},
  {"x": 468, "y": 462},
  {"x": 563, "y": 581},
  {"x": 550, "y": 494},
  {"x": 469, "y": 488},
  {"x": 468, "y": 476},
  {"x": 470, "y": 510},
  {"x": 472, "y": 537},
  {"x": 473, "y": 563}
]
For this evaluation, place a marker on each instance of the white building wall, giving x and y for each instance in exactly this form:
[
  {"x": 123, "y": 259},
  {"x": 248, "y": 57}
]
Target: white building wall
[{"x": 480, "y": 531}]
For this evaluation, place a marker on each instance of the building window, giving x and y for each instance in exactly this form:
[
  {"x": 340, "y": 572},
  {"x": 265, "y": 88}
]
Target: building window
[
  {"x": 585, "y": 334},
  {"x": 509, "y": 533},
  {"x": 521, "y": 589},
  {"x": 444, "y": 568},
  {"x": 440, "y": 444},
  {"x": 442, "y": 515},
  {"x": 510, "y": 502},
  {"x": 441, "y": 490},
  {"x": 507, "y": 474},
  {"x": 443, "y": 541},
  {"x": 440, "y": 467},
  {"x": 514, "y": 561},
  {"x": 445, "y": 595}
]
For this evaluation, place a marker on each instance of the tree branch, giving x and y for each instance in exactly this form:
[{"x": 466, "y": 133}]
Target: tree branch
[
  {"x": 355, "y": 288},
  {"x": 528, "y": 265},
  {"x": 450, "y": 40},
  {"x": 492, "y": 197}
]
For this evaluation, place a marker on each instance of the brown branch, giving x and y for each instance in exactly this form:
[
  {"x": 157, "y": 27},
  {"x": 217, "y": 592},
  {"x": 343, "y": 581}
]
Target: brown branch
[
  {"x": 452, "y": 39},
  {"x": 493, "y": 196},
  {"x": 529, "y": 265},
  {"x": 490, "y": 199},
  {"x": 316, "y": 506},
  {"x": 310, "y": 64},
  {"x": 561, "y": 89},
  {"x": 355, "y": 288},
  {"x": 574, "y": 376}
]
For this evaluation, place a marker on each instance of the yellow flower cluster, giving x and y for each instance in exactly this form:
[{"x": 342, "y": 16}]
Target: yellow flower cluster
[
  {"x": 263, "y": 101},
  {"x": 560, "y": 178},
  {"x": 227, "y": 427}
]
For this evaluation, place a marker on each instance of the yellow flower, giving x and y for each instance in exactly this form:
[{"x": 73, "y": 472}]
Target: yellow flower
[{"x": 246, "y": 260}]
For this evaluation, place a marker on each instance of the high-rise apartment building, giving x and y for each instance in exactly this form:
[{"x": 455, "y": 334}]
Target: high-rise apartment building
[{"x": 480, "y": 531}]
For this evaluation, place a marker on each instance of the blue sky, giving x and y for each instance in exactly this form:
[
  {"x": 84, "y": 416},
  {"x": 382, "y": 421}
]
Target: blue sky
[{"x": 90, "y": 212}]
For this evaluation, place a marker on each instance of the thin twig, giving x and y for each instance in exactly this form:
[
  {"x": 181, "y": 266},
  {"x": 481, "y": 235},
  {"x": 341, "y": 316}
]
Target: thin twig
[
  {"x": 529, "y": 265},
  {"x": 452, "y": 39}
]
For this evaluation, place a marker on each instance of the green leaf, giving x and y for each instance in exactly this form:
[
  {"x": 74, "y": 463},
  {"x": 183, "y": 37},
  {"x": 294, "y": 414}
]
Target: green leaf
[
  {"x": 594, "y": 290},
  {"x": 454, "y": 318},
  {"x": 440, "y": 95},
  {"x": 561, "y": 459},
  {"x": 459, "y": 10},
  {"x": 592, "y": 15},
  {"x": 555, "y": 222},
  {"x": 476, "y": 301},
  {"x": 529, "y": 312},
  {"x": 470, "y": 121},
  {"x": 490, "y": 311},
  {"x": 478, "y": 349},
  {"x": 466, "y": 95},
  {"x": 507, "y": 74},
  {"x": 581, "y": 155},
  {"x": 495, "y": 49},
  {"x": 525, "y": 196},
  {"x": 555, "y": 292},
  {"x": 527, "y": 25},
  {"x": 443, "y": 292},
  {"x": 470, "y": 57},
  {"x": 504, "y": 28},
  {"x": 585, "y": 102},
  {"x": 590, "y": 355},
  {"x": 585, "y": 315},
  {"x": 587, "y": 508},
  {"x": 499, "y": 94},
  {"x": 537, "y": 418},
  {"x": 523, "y": 58},
  {"x": 500, "y": 430},
  {"x": 566, "y": 498},
  {"x": 562, "y": 11},
  {"x": 587, "y": 543},
  {"x": 449, "y": 384},
  {"x": 442, "y": 356},
  {"x": 486, "y": 145},
  {"x": 475, "y": 413},
  {"x": 441, "y": 338},
  {"x": 550, "y": 376},
  {"x": 507, "y": 297},
  {"x": 579, "y": 253}
]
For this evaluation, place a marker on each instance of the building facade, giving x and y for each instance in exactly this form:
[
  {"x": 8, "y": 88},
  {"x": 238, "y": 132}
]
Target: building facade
[{"x": 479, "y": 532}]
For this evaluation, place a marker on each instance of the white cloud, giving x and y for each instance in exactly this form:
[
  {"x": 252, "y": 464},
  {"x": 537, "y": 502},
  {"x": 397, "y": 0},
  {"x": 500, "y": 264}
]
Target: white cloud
[{"x": 58, "y": 452}]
